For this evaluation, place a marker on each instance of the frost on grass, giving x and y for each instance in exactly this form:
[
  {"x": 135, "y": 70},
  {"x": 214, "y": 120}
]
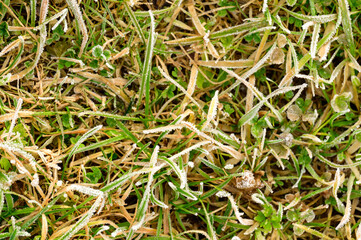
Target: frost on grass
[
  {"x": 229, "y": 166},
  {"x": 15, "y": 117},
  {"x": 315, "y": 36},
  {"x": 347, "y": 211},
  {"x": 83, "y": 221},
  {"x": 171, "y": 151},
  {"x": 74, "y": 7},
  {"x": 246, "y": 181},
  {"x": 224, "y": 194},
  {"x": 212, "y": 112},
  {"x": 84, "y": 137}
]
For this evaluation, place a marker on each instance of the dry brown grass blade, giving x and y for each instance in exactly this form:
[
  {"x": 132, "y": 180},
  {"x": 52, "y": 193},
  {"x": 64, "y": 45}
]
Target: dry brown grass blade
[
  {"x": 43, "y": 11},
  {"x": 122, "y": 53},
  {"x": 191, "y": 86},
  {"x": 227, "y": 64},
  {"x": 201, "y": 30}
]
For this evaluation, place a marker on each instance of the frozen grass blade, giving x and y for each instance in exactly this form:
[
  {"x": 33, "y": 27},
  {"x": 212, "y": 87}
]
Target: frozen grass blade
[
  {"x": 121, "y": 180},
  {"x": 239, "y": 29},
  {"x": 294, "y": 55},
  {"x": 182, "y": 175},
  {"x": 187, "y": 194},
  {"x": 163, "y": 129},
  {"x": 335, "y": 186},
  {"x": 15, "y": 61},
  {"x": 201, "y": 30},
  {"x": 108, "y": 115},
  {"x": 212, "y": 111},
  {"x": 2, "y": 199},
  {"x": 227, "y": 64},
  {"x": 83, "y": 138},
  {"x": 210, "y": 227},
  {"x": 146, "y": 74},
  {"x": 335, "y": 165},
  {"x": 279, "y": 23},
  {"x": 250, "y": 72},
  {"x": 43, "y": 10},
  {"x": 15, "y": 117},
  {"x": 287, "y": 79},
  {"x": 254, "y": 111},
  {"x": 317, "y": 19},
  {"x": 315, "y": 35},
  {"x": 195, "y": 146},
  {"x": 33, "y": 12},
  {"x": 347, "y": 214},
  {"x": 74, "y": 7},
  {"x": 191, "y": 85},
  {"x": 135, "y": 21},
  {"x": 41, "y": 45},
  {"x": 347, "y": 24},
  {"x": 354, "y": 64},
  {"x": 11, "y": 46},
  {"x": 336, "y": 72},
  {"x": 83, "y": 221},
  {"x": 154, "y": 199},
  {"x": 255, "y": 91},
  {"x": 86, "y": 190},
  {"x": 223, "y": 147},
  {"x": 61, "y": 15},
  {"x": 235, "y": 208},
  {"x": 143, "y": 205},
  {"x": 312, "y": 231}
]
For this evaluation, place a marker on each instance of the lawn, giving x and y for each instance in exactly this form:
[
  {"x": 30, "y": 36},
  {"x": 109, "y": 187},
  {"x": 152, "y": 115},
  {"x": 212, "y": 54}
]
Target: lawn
[{"x": 180, "y": 119}]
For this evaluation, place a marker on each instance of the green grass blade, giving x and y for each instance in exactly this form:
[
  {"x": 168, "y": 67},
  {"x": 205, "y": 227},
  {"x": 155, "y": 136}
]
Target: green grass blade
[
  {"x": 135, "y": 22},
  {"x": 41, "y": 212},
  {"x": 82, "y": 221},
  {"x": 347, "y": 24},
  {"x": 146, "y": 74}
]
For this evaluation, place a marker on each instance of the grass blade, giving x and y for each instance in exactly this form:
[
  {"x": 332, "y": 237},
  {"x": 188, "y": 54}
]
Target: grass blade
[
  {"x": 135, "y": 22},
  {"x": 83, "y": 138},
  {"x": 347, "y": 24},
  {"x": 74, "y": 7},
  {"x": 146, "y": 74}
]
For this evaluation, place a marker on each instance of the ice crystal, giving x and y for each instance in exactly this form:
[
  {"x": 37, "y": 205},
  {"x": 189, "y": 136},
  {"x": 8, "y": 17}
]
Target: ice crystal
[
  {"x": 229, "y": 166},
  {"x": 246, "y": 180}
]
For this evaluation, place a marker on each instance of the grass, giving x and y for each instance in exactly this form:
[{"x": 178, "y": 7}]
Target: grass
[{"x": 180, "y": 120}]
